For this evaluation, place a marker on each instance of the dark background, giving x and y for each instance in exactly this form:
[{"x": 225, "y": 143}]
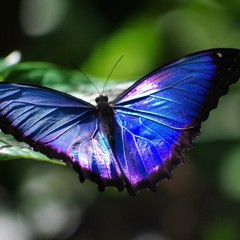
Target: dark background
[{"x": 46, "y": 201}]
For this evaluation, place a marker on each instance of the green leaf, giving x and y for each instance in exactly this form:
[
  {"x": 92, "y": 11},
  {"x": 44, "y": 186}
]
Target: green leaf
[
  {"x": 46, "y": 74},
  {"x": 10, "y": 149}
]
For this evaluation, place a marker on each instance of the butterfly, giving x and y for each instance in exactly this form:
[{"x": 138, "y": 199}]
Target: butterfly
[{"x": 137, "y": 139}]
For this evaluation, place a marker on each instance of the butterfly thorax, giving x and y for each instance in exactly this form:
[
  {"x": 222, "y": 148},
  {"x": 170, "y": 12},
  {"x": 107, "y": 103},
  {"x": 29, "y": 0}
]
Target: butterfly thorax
[{"x": 106, "y": 116}]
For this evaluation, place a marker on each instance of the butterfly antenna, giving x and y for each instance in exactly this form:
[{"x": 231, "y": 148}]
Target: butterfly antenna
[
  {"x": 86, "y": 77},
  {"x": 111, "y": 73}
]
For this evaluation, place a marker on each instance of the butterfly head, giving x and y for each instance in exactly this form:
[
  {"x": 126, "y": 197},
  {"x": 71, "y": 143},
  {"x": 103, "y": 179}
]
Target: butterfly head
[{"x": 101, "y": 100}]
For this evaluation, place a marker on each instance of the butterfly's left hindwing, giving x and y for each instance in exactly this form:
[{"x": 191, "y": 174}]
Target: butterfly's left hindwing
[
  {"x": 159, "y": 116},
  {"x": 61, "y": 127}
]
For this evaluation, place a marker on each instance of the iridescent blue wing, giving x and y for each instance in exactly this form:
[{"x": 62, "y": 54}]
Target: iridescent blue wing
[
  {"x": 158, "y": 117},
  {"x": 61, "y": 127}
]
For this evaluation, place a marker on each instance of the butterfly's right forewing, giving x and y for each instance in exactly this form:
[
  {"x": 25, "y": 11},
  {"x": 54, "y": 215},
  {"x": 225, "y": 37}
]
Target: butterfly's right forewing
[{"x": 158, "y": 117}]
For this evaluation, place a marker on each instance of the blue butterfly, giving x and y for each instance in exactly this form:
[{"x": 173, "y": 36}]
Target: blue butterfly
[{"x": 134, "y": 141}]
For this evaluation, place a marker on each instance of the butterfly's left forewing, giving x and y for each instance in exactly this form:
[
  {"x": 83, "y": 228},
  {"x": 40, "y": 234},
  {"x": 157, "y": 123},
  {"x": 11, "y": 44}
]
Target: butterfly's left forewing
[
  {"x": 61, "y": 127},
  {"x": 159, "y": 116}
]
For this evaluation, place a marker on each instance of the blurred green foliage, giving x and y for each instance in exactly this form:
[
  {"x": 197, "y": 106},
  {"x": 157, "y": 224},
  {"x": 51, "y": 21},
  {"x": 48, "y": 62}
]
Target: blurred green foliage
[{"x": 46, "y": 201}]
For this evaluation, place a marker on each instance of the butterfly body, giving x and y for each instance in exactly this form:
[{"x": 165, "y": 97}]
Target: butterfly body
[
  {"x": 134, "y": 141},
  {"x": 106, "y": 116}
]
